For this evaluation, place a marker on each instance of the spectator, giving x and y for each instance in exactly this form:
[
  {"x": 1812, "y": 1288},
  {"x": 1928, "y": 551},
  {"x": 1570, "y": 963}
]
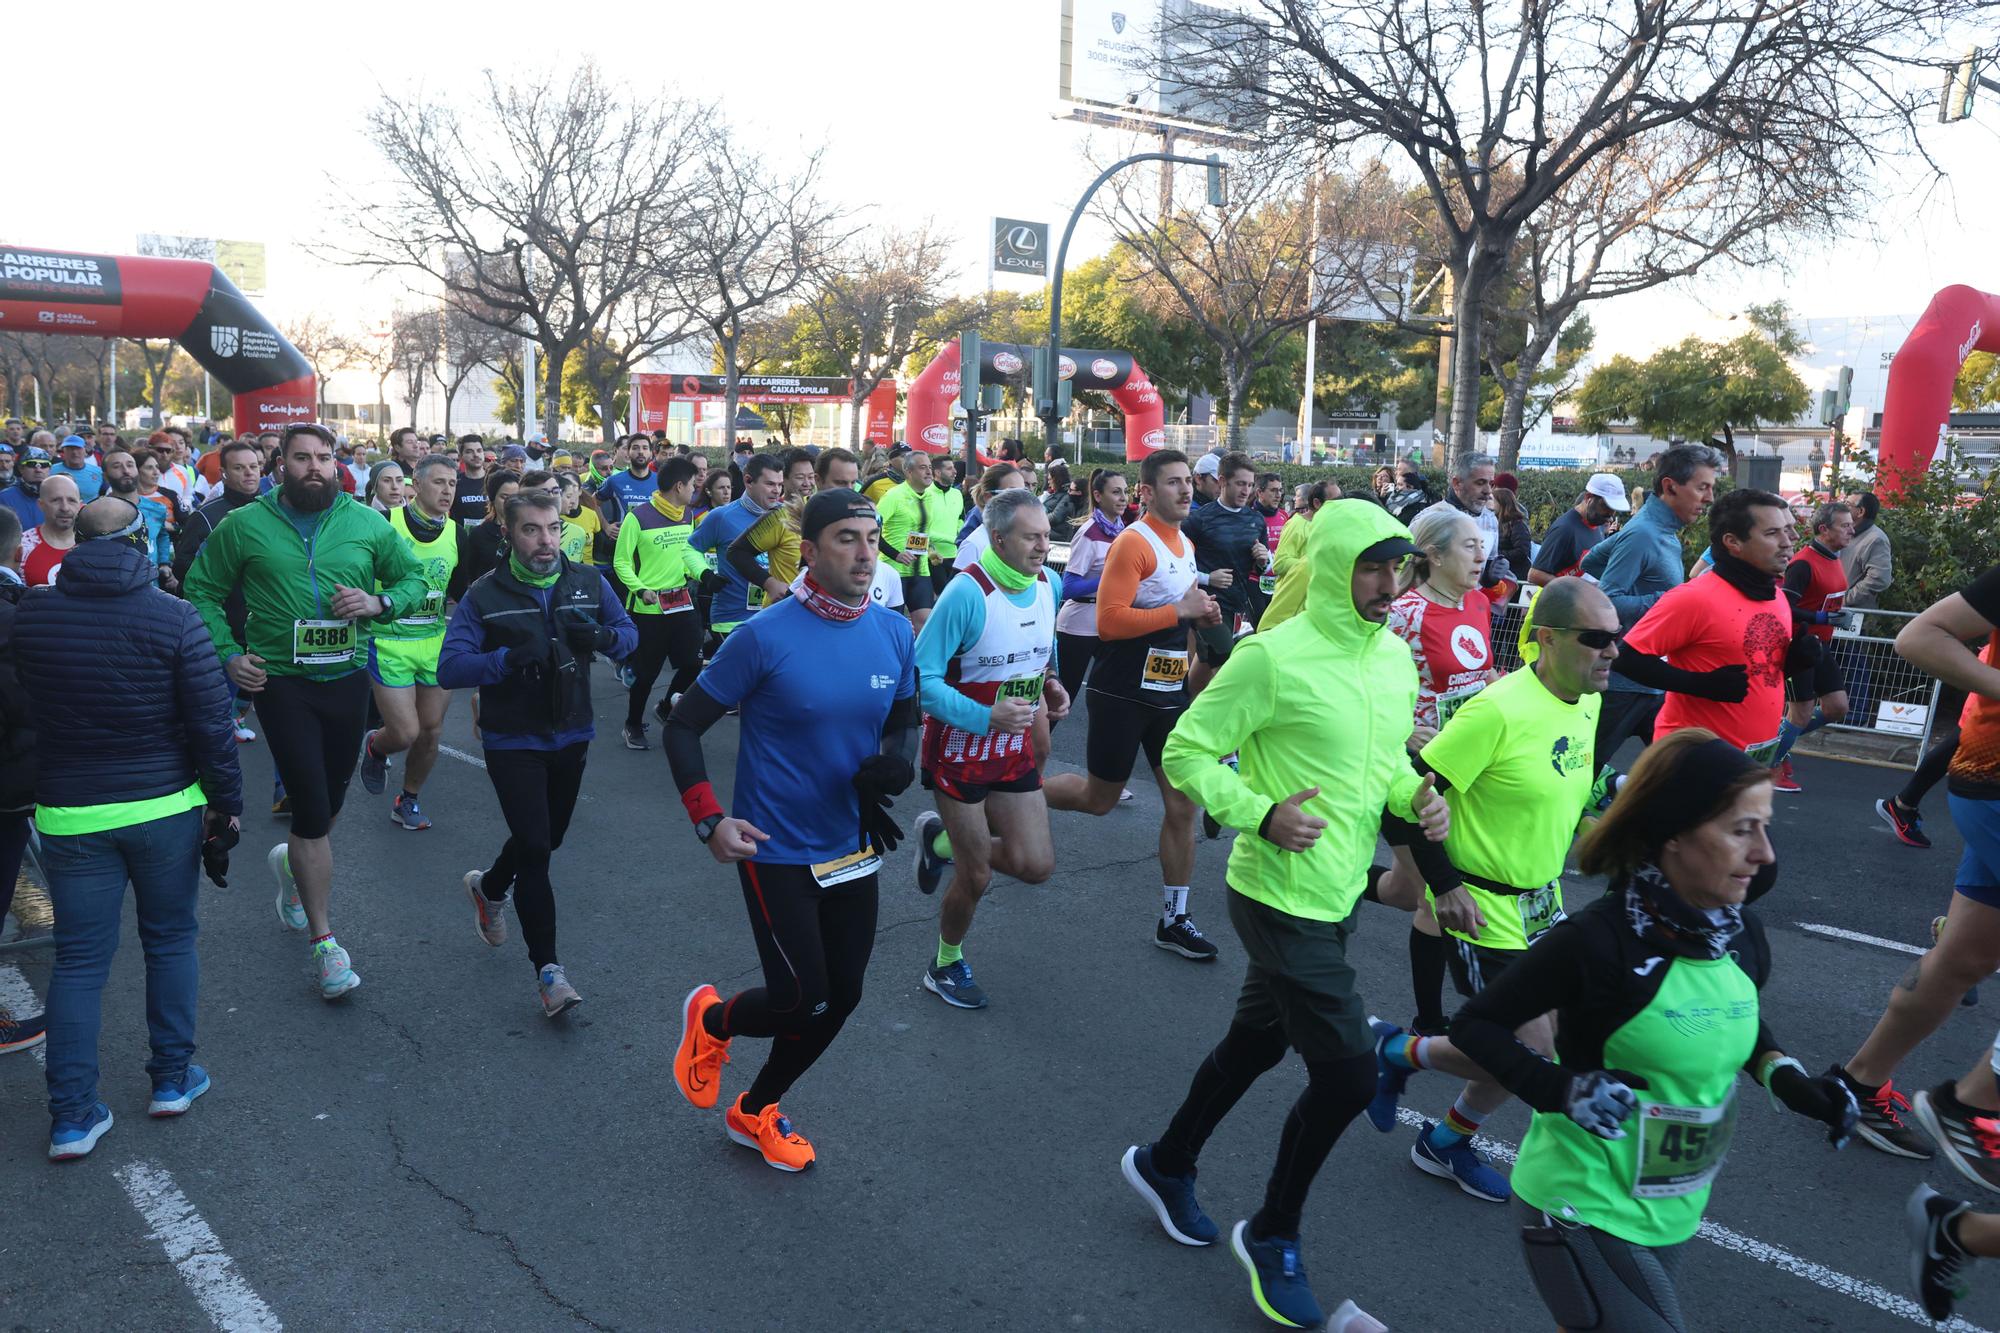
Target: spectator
[
  {"x": 74, "y": 462},
  {"x": 1866, "y": 559},
  {"x": 1383, "y": 484},
  {"x": 1066, "y": 507},
  {"x": 44, "y": 546},
  {"x": 136, "y": 760},
  {"x": 1413, "y": 495},
  {"x": 1517, "y": 542},
  {"x": 1207, "y": 480},
  {"x": 24, "y": 496},
  {"x": 18, "y": 1032},
  {"x": 1571, "y": 536}
]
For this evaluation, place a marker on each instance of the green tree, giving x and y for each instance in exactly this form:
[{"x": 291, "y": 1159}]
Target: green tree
[
  {"x": 1978, "y": 383},
  {"x": 1698, "y": 389}
]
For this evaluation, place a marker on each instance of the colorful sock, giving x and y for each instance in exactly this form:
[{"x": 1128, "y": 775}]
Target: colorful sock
[
  {"x": 1788, "y": 736},
  {"x": 948, "y": 953},
  {"x": 941, "y": 845},
  {"x": 1813, "y": 723},
  {"x": 1407, "y": 1050},
  {"x": 326, "y": 939},
  {"x": 1460, "y": 1123},
  {"x": 1174, "y": 903},
  {"x": 368, "y": 744}
]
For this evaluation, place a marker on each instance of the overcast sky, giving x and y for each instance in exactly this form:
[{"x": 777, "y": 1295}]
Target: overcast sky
[{"x": 225, "y": 119}]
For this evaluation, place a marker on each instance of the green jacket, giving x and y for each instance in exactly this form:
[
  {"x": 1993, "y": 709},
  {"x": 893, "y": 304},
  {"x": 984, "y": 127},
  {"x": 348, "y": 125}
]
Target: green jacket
[
  {"x": 288, "y": 576},
  {"x": 653, "y": 555},
  {"x": 899, "y": 507},
  {"x": 1324, "y": 700},
  {"x": 947, "y": 515}
]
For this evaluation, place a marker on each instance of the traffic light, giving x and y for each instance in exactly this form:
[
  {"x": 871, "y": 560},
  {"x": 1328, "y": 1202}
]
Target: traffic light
[
  {"x": 1844, "y": 391},
  {"x": 1218, "y": 194},
  {"x": 992, "y": 398},
  {"x": 1829, "y": 406},
  {"x": 1045, "y": 398},
  {"x": 1961, "y": 81},
  {"x": 968, "y": 371}
]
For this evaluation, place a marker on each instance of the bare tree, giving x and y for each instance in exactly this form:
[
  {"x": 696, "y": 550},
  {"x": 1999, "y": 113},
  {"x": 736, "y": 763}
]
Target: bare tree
[
  {"x": 539, "y": 209},
  {"x": 318, "y": 342},
  {"x": 754, "y": 239},
  {"x": 373, "y": 351},
  {"x": 866, "y": 313},
  {"x": 468, "y": 343},
  {"x": 416, "y": 341},
  {"x": 157, "y": 357},
  {"x": 1498, "y": 109}
]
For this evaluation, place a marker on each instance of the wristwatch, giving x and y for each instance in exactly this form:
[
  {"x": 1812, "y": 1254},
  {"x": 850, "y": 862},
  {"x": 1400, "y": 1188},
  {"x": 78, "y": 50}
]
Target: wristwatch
[{"x": 706, "y": 828}]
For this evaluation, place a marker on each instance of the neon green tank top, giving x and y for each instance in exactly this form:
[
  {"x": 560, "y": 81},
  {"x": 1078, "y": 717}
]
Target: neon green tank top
[{"x": 439, "y": 558}]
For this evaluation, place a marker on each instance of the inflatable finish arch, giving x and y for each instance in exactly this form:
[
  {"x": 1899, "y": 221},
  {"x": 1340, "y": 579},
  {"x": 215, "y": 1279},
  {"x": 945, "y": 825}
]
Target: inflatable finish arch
[
  {"x": 1958, "y": 322},
  {"x": 109, "y": 296},
  {"x": 927, "y": 413}
]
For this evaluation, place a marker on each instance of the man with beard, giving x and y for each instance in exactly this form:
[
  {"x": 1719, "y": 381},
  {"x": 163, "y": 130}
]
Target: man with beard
[
  {"x": 44, "y": 545},
  {"x": 121, "y": 478},
  {"x": 631, "y": 488},
  {"x": 305, "y": 557},
  {"x": 1722, "y": 645},
  {"x": 471, "y": 505},
  {"x": 1571, "y": 536},
  {"x": 24, "y": 497}
]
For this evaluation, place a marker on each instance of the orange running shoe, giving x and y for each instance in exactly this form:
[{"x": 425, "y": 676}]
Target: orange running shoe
[
  {"x": 770, "y": 1133},
  {"x": 699, "y": 1059}
]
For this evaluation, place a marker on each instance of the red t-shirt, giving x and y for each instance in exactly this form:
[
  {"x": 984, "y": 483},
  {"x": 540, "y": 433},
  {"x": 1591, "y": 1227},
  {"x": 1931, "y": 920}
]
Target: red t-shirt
[
  {"x": 1707, "y": 624},
  {"x": 40, "y": 560},
  {"x": 1452, "y": 648}
]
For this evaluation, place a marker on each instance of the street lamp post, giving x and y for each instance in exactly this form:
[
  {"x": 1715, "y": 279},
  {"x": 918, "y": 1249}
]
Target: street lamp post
[{"x": 1045, "y": 405}]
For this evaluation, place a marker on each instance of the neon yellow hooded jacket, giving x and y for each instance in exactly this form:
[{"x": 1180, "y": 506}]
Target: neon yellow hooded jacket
[{"x": 1324, "y": 700}]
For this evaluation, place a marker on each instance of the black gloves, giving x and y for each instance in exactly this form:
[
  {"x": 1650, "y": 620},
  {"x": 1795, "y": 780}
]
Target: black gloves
[
  {"x": 1725, "y": 684},
  {"x": 1825, "y": 1099},
  {"x": 215, "y": 849},
  {"x": 522, "y": 659},
  {"x": 1804, "y": 652},
  {"x": 582, "y": 631},
  {"x": 881, "y": 776}
]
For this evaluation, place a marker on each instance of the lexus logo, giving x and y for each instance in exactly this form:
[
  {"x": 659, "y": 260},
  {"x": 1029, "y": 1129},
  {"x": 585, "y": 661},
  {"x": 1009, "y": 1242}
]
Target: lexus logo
[{"x": 1023, "y": 241}]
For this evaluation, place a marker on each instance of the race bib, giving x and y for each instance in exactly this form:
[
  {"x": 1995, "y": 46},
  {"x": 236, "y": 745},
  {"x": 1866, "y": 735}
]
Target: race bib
[
  {"x": 428, "y": 612},
  {"x": 1267, "y": 583},
  {"x": 1451, "y": 700},
  {"x": 322, "y": 642},
  {"x": 917, "y": 543},
  {"x": 855, "y": 865},
  {"x": 1024, "y": 687},
  {"x": 1166, "y": 669},
  {"x": 1763, "y": 753},
  {"x": 1540, "y": 909},
  {"x": 753, "y": 597},
  {"x": 1681, "y": 1147},
  {"x": 678, "y": 599}
]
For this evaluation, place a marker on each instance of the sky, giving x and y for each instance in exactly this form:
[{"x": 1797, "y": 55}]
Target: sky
[{"x": 943, "y": 111}]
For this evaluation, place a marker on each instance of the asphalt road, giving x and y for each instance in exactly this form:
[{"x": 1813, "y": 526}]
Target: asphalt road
[{"x": 432, "y": 1153}]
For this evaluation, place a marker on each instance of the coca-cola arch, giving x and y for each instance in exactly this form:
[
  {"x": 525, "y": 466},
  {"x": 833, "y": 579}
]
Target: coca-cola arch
[
  {"x": 927, "y": 406},
  {"x": 187, "y": 300},
  {"x": 1958, "y": 322}
]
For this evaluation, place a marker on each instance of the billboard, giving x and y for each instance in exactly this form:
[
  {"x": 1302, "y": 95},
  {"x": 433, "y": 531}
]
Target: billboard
[
  {"x": 1138, "y": 57},
  {"x": 1020, "y": 247},
  {"x": 242, "y": 262}
]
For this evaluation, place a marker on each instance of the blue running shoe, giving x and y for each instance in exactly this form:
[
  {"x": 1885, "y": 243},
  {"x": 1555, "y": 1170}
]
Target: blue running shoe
[
  {"x": 374, "y": 767},
  {"x": 406, "y": 812},
  {"x": 1390, "y": 1080},
  {"x": 70, "y": 1139},
  {"x": 173, "y": 1096},
  {"x": 281, "y": 804},
  {"x": 930, "y": 866},
  {"x": 627, "y": 675},
  {"x": 1277, "y": 1279},
  {"x": 955, "y": 986},
  {"x": 1464, "y": 1165},
  {"x": 1170, "y": 1197}
]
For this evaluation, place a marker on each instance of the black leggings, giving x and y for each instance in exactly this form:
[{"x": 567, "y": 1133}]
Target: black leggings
[
  {"x": 1074, "y": 654},
  {"x": 1336, "y": 1092},
  {"x": 814, "y": 944},
  {"x": 1944, "y": 744},
  {"x": 675, "y": 638},
  {"x": 314, "y": 730},
  {"x": 537, "y": 791}
]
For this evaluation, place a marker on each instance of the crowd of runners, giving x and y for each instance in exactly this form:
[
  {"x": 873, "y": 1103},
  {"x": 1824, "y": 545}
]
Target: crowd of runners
[{"x": 1309, "y": 676}]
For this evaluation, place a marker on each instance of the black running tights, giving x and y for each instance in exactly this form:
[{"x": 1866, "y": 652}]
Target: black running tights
[
  {"x": 1944, "y": 744},
  {"x": 814, "y": 944},
  {"x": 674, "y": 637},
  {"x": 537, "y": 790},
  {"x": 1336, "y": 1092}
]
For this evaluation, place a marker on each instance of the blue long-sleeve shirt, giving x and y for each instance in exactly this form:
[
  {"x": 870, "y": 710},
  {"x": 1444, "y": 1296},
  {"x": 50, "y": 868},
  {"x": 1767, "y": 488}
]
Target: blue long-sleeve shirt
[
  {"x": 955, "y": 624},
  {"x": 464, "y": 661},
  {"x": 718, "y": 532},
  {"x": 1638, "y": 565}
]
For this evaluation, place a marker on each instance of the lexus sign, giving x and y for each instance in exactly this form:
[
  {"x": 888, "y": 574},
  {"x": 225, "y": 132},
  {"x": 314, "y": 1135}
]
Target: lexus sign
[{"x": 1020, "y": 247}]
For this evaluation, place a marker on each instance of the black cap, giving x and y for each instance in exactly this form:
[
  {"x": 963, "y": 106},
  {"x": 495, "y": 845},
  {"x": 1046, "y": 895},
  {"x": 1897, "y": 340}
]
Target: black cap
[
  {"x": 1389, "y": 548},
  {"x": 832, "y": 507}
]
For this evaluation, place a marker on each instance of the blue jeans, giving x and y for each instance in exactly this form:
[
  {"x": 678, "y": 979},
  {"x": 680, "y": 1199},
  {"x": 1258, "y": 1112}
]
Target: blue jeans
[{"x": 87, "y": 876}]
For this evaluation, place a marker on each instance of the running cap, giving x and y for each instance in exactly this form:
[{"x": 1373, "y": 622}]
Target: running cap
[
  {"x": 832, "y": 507},
  {"x": 1609, "y": 489},
  {"x": 34, "y": 455},
  {"x": 1389, "y": 548},
  {"x": 74, "y": 442},
  {"x": 1209, "y": 465}
]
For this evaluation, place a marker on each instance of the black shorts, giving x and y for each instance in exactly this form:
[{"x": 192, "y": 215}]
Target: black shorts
[
  {"x": 919, "y": 593},
  {"x": 1298, "y": 979},
  {"x": 1212, "y": 643},
  {"x": 313, "y": 729},
  {"x": 1119, "y": 728},
  {"x": 1822, "y": 679},
  {"x": 946, "y": 783},
  {"x": 1474, "y": 967}
]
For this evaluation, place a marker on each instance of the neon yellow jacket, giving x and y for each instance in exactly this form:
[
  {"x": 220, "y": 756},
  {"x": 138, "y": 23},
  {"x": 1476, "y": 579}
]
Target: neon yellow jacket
[
  {"x": 1324, "y": 700},
  {"x": 1289, "y": 563}
]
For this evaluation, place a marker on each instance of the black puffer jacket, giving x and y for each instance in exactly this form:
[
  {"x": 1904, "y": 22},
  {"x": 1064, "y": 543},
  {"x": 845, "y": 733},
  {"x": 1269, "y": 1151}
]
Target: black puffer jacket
[
  {"x": 17, "y": 725},
  {"x": 127, "y": 692}
]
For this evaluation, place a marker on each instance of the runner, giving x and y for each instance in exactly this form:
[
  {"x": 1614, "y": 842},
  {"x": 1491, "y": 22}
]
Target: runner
[
  {"x": 44, "y": 545},
  {"x": 1903, "y": 812},
  {"x": 1288, "y": 560},
  {"x": 660, "y": 572},
  {"x": 1515, "y": 760},
  {"x": 632, "y": 488},
  {"x": 485, "y": 546},
  {"x": 1229, "y": 550},
  {"x": 403, "y": 654},
  {"x": 1270, "y": 505},
  {"x": 524, "y": 635},
  {"x": 838, "y": 470},
  {"x": 947, "y": 513},
  {"x": 581, "y": 524},
  {"x": 304, "y": 557},
  {"x": 763, "y": 488},
  {"x": 1945, "y": 1237},
  {"x": 1577, "y": 529},
  {"x": 1967, "y": 949},
  {"x": 767, "y": 554},
  {"x": 827, "y": 685},
  {"x": 1147, "y": 600},
  {"x": 986, "y": 661},
  {"x": 24, "y": 495},
  {"x": 1317, "y": 708},
  {"x": 1607, "y": 1198},
  {"x": 1076, "y": 624},
  {"x": 241, "y": 476},
  {"x": 907, "y": 509},
  {"x": 972, "y": 539},
  {"x": 1816, "y": 586}
]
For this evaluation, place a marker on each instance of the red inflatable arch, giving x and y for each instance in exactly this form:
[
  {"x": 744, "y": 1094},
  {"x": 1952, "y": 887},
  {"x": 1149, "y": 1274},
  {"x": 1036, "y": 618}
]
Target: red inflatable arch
[
  {"x": 1958, "y": 322},
  {"x": 111, "y": 296},
  {"x": 927, "y": 413}
]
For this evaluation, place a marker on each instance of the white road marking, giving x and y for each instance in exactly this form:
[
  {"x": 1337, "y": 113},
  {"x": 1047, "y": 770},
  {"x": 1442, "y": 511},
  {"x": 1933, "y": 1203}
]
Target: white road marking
[
  {"x": 1856, "y": 937},
  {"x": 1750, "y": 1247},
  {"x": 209, "y": 1273},
  {"x": 19, "y": 997},
  {"x": 472, "y": 759}
]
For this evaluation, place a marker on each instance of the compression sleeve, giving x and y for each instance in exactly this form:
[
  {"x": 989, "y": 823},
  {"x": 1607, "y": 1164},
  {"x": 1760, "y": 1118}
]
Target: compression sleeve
[
  {"x": 1552, "y": 976},
  {"x": 1656, "y": 672},
  {"x": 955, "y": 624},
  {"x": 899, "y": 729},
  {"x": 696, "y": 712},
  {"x": 1125, "y": 566}
]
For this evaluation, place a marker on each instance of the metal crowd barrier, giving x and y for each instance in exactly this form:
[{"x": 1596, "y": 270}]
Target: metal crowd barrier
[{"x": 41, "y": 937}]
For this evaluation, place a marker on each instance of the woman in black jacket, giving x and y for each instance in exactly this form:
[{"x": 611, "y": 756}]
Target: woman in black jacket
[{"x": 1517, "y": 543}]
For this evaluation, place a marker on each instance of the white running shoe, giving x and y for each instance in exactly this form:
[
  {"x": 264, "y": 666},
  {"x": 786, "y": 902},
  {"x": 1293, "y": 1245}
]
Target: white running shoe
[
  {"x": 244, "y": 735},
  {"x": 336, "y": 972},
  {"x": 291, "y": 913}
]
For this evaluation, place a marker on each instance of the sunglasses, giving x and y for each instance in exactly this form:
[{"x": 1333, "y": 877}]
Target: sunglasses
[{"x": 1599, "y": 639}]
